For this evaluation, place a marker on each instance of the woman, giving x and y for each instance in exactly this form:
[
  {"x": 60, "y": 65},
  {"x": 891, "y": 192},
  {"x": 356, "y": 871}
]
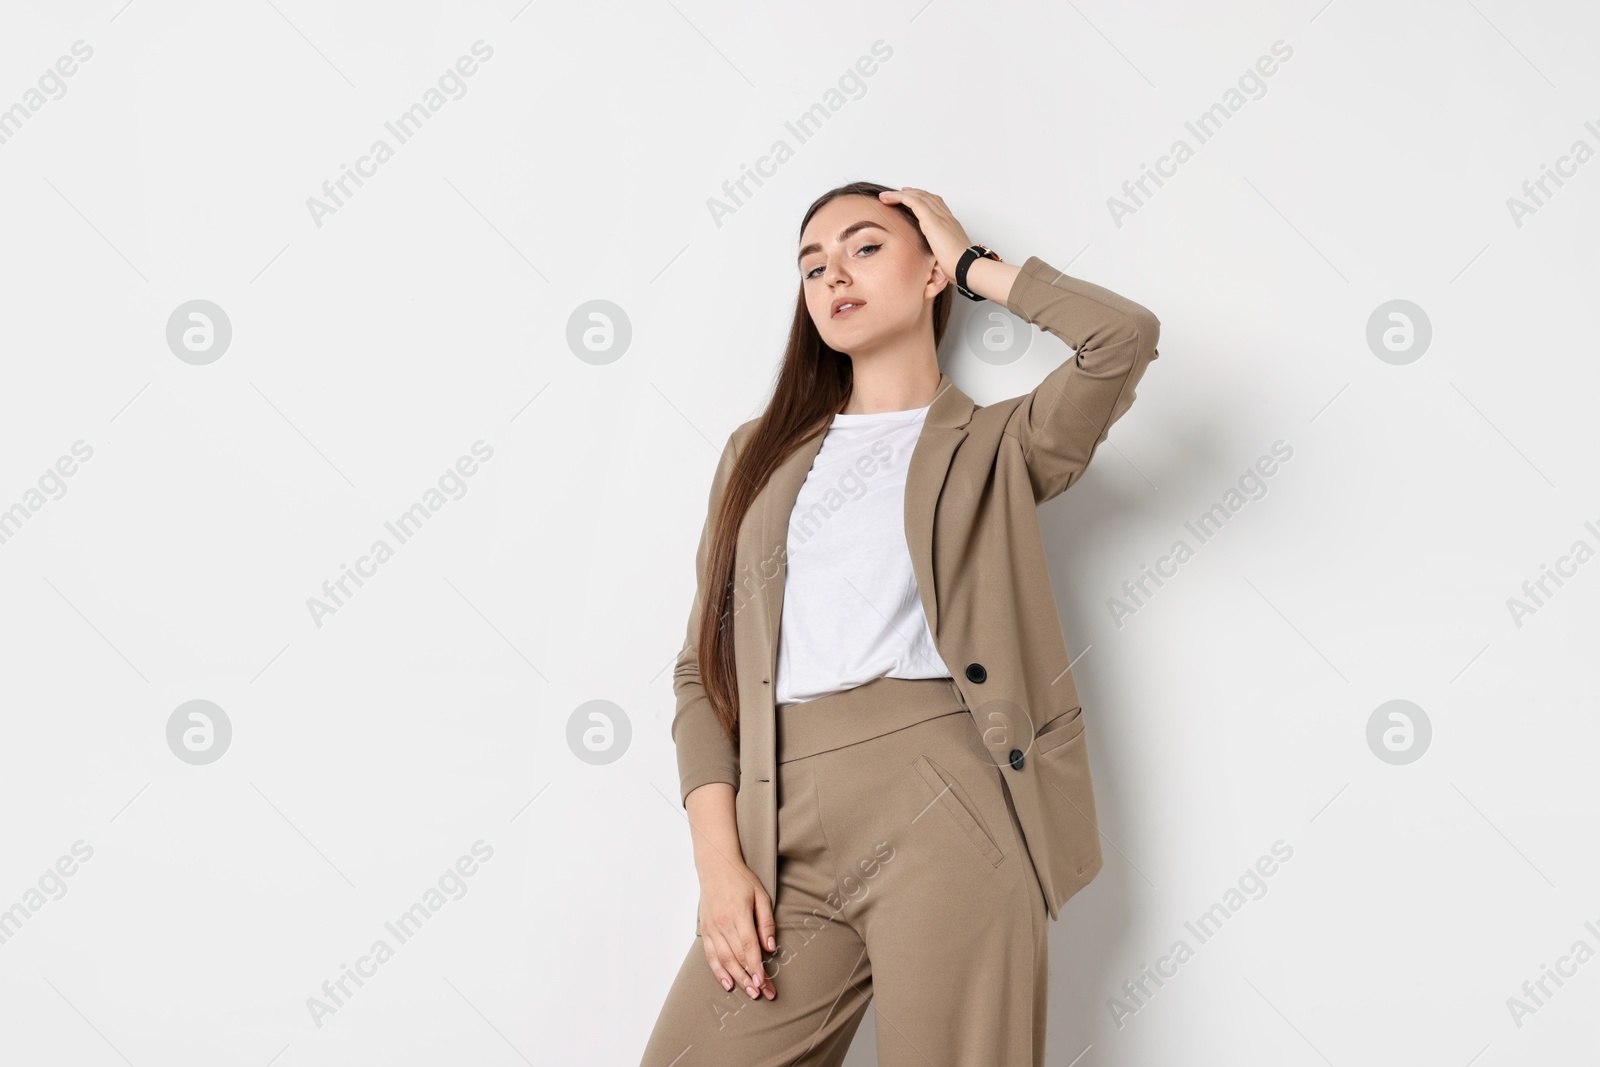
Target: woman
[{"x": 880, "y": 745}]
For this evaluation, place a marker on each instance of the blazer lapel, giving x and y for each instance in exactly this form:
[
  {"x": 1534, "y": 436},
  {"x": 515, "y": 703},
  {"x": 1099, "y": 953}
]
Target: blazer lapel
[
  {"x": 943, "y": 429},
  {"x": 776, "y": 502}
]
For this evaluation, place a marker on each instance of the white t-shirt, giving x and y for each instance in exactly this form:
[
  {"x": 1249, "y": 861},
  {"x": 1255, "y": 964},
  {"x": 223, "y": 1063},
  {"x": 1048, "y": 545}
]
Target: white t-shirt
[{"x": 851, "y": 608}]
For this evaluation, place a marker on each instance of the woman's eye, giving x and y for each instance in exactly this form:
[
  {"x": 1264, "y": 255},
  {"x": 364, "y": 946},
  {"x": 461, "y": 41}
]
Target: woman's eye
[{"x": 812, "y": 273}]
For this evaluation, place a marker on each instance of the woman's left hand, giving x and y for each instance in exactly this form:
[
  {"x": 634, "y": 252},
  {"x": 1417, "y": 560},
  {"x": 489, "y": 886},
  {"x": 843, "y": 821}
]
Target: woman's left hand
[{"x": 945, "y": 235}]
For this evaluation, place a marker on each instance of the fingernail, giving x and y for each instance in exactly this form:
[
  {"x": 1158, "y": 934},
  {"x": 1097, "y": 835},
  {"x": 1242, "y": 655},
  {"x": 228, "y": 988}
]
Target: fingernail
[
  {"x": 771, "y": 942},
  {"x": 754, "y": 993},
  {"x": 727, "y": 983}
]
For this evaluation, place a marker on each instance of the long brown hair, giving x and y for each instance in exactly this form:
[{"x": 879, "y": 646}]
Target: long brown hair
[{"x": 813, "y": 383}]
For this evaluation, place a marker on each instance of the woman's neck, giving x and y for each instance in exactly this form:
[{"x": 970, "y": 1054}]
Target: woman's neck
[{"x": 891, "y": 389}]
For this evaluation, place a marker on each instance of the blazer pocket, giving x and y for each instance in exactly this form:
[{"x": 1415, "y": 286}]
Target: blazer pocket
[
  {"x": 1058, "y": 731},
  {"x": 949, "y": 796},
  {"x": 1072, "y": 850}
]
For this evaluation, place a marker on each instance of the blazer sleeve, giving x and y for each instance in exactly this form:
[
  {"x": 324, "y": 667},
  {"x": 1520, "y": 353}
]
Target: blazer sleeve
[
  {"x": 704, "y": 752},
  {"x": 1060, "y": 423}
]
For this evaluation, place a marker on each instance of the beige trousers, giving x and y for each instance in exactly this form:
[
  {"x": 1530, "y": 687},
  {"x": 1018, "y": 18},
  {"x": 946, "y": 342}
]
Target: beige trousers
[{"x": 903, "y": 883}]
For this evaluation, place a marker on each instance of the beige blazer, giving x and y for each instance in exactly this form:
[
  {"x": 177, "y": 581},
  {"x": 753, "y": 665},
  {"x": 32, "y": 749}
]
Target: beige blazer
[{"x": 973, "y": 486}]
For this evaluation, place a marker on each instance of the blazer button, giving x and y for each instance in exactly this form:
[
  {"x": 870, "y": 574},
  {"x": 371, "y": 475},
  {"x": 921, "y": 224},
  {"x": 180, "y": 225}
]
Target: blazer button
[
  {"x": 1016, "y": 759},
  {"x": 976, "y": 673}
]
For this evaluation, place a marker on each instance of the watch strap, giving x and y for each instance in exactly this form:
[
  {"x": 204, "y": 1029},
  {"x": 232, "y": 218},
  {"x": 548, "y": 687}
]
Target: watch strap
[{"x": 972, "y": 253}]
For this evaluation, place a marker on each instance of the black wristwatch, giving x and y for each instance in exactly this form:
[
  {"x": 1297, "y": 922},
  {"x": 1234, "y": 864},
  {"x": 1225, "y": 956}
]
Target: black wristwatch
[{"x": 972, "y": 253}]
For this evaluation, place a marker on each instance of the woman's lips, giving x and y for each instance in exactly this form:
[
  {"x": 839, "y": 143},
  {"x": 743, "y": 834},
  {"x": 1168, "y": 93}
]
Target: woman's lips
[{"x": 847, "y": 310}]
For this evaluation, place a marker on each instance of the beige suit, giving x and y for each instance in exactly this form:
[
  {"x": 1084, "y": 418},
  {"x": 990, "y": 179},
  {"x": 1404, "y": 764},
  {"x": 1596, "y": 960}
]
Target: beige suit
[{"x": 976, "y": 478}]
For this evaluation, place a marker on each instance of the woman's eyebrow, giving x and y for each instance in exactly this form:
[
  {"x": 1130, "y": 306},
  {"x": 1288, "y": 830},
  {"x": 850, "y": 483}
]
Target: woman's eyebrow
[{"x": 843, "y": 234}]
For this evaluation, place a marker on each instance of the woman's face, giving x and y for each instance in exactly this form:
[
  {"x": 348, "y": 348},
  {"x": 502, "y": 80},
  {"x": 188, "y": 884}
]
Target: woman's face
[{"x": 879, "y": 266}]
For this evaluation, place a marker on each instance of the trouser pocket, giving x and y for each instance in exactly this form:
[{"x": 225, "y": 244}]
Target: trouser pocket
[{"x": 946, "y": 793}]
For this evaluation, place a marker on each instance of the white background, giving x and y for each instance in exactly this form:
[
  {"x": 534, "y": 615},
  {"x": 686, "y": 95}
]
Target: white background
[{"x": 430, "y": 311}]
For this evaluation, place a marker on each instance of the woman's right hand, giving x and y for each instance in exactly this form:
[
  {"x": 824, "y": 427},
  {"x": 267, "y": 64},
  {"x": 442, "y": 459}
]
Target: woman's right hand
[{"x": 734, "y": 912}]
